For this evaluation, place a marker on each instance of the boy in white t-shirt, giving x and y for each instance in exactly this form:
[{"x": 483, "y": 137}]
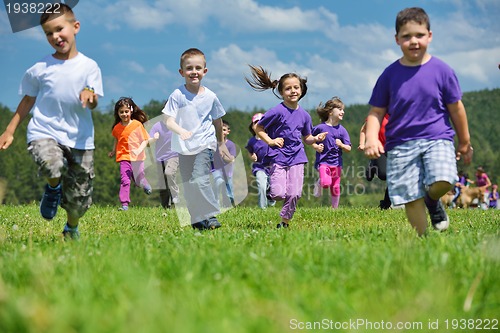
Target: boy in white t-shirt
[
  {"x": 61, "y": 89},
  {"x": 193, "y": 114}
]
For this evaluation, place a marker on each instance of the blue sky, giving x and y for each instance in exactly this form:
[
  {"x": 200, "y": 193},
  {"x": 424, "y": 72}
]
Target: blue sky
[{"x": 340, "y": 46}]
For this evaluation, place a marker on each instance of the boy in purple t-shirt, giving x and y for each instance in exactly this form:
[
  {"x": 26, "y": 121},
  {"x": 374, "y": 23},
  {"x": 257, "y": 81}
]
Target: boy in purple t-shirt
[
  {"x": 283, "y": 127},
  {"x": 420, "y": 93},
  {"x": 167, "y": 163},
  {"x": 329, "y": 152}
]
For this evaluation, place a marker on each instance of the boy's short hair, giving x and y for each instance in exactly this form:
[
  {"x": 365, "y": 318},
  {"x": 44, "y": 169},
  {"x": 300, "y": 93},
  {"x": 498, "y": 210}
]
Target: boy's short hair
[
  {"x": 190, "y": 53},
  {"x": 415, "y": 14},
  {"x": 54, "y": 12}
]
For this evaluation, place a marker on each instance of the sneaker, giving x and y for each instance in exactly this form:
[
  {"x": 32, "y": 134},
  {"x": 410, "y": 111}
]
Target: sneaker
[
  {"x": 213, "y": 223},
  {"x": 70, "y": 233},
  {"x": 439, "y": 218},
  {"x": 147, "y": 189},
  {"x": 123, "y": 208},
  {"x": 175, "y": 200},
  {"x": 50, "y": 201},
  {"x": 200, "y": 225},
  {"x": 282, "y": 225}
]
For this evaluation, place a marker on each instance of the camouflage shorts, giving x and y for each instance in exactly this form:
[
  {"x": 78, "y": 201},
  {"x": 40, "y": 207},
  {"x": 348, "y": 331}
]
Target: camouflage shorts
[{"x": 74, "y": 167}]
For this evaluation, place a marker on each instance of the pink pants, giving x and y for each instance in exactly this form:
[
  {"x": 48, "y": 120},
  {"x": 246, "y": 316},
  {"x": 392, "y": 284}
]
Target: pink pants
[
  {"x": 285, "y": 183},
  {"x": 329, "y": 176}
]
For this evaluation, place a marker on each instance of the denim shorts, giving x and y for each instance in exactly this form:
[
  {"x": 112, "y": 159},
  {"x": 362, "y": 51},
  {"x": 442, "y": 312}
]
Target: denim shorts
[
  {"x": 74, "y": 167},
  {"x": 417, "y": 164}
]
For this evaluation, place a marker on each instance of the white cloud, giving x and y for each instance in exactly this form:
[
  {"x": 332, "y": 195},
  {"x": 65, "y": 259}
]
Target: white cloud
[{"x": 133, "y": 66}]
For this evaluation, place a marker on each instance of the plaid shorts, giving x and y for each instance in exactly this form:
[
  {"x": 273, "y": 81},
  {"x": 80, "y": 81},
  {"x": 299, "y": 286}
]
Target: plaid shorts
[
  {"x": 416, "y": 164},
  {"x": 75, "y": 167}
]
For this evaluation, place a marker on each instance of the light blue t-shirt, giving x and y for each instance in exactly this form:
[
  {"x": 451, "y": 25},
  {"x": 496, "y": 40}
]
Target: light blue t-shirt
[{"x": 194, "y": 113}]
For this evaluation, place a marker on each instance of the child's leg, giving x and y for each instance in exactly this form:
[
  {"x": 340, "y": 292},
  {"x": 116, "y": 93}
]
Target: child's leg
[
  {"x": 295, "y": 181},
  {"x": 325, "y": 176},
  {"x": 381, "y": 164},
  {"x": 417, "y": 216},
  {"x": 78, "y": 187},
  {"x": 170, "y": 172},
  {"x": 139, "y": 176},
  {"x": 198, "y": 191},
  {"x": 261, "y": 179},
  {"x": 48, "y": 155},
  {"x": 277, "y": 182},
  {"x": 335, "y": 172},
  {"x": 126, "y": 176}
]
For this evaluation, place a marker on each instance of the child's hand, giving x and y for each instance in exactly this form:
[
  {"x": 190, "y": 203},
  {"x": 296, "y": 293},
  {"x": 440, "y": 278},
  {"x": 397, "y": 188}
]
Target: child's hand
[
  {"x": 254, "y": 157},
  {"x": 6, "y": 140},
  {"x": 277, "y": 142},
  {"x": 88, "y": 98},
  {"x": 373, "y": 149},
  {"x": 186, "y": 135},
  {"x": 465, "y": 151},
  {"x": 224, "y": 153},
  {"x": 321, "y": 136},
  {"x": 156, "y": 135},
  {"x": 361, "y": 147},
  {"x": 319, "y": 147},
  {"x": 111, "y": 153}
]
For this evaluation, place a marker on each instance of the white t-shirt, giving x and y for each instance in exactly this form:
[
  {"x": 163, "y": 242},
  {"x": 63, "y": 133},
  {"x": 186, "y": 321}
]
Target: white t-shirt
[
  {"x": 58, "y": 112},
  {"x": 194, "y": 113}
]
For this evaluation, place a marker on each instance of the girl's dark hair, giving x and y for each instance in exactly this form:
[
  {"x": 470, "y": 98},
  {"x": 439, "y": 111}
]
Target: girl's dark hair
[
  {"x": 415, "y": 14},
  {"x": 136, "y": 111},
  {"x": 323, "y": 111},
  {"x": 261, "y": 80}
]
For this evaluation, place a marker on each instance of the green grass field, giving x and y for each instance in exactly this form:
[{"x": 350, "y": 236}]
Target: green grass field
[{"x": 348, "y": 270}]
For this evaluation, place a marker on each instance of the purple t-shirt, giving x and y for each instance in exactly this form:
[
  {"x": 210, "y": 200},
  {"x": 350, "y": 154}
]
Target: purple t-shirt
[
  {"x": 219, "y": 163},
  {"x": 291, "y": 125},
  {"x": 260, "y": 148},
  {"x": 332, "y": 154},
  {"x": 163, "y": 146},
  {"x": 416, "y": 99}
]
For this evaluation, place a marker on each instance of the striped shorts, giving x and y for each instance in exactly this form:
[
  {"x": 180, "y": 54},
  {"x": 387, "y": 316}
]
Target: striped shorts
[
  {"x": 417, "y": 164},
  {"x": 74, "y": 167}
]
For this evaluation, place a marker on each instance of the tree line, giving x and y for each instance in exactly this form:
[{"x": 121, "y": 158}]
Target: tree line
[{"x": 23, "y": 185}]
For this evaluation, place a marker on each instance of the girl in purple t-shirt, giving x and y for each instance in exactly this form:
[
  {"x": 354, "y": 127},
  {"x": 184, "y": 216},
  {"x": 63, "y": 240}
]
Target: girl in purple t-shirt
[
  {"x": 283, "y": 128},
  {"x": 329, "y": 152},
  {"x": 258, "y": 150}
]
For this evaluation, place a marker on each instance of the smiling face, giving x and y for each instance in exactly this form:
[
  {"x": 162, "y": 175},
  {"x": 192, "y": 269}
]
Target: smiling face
[
  {"x": 291, "y": 91},
  {"x": 193, "y": 70},
  {"x": 60, "y": 33},
  {"x": 413, "y": 38},
  {"x": 125, "y": 114}
]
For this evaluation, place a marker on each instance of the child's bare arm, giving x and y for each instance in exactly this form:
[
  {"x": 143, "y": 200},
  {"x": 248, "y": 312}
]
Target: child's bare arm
[
  {"x": 373, "y": 146},
  {"x": 113, "y": 152},
  {"x": 174, "y": 127},
  {"x": 459, "y": 119},
  {"x": 145, "y": 143},
  {"x": 88, "y": 98},
  {"x": 22, "y": 111},
  {"x": 362, "y": 137},
  {"x": 260, "y": 131}
]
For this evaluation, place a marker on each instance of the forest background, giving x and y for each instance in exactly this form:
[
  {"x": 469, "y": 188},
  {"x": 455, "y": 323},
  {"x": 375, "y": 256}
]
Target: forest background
[{"x": 20, "y": 184}]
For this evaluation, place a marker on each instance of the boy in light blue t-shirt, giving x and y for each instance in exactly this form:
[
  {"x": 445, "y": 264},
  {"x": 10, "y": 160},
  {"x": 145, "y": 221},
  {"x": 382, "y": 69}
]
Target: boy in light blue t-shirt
[{"x": 193, "y": 114}]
